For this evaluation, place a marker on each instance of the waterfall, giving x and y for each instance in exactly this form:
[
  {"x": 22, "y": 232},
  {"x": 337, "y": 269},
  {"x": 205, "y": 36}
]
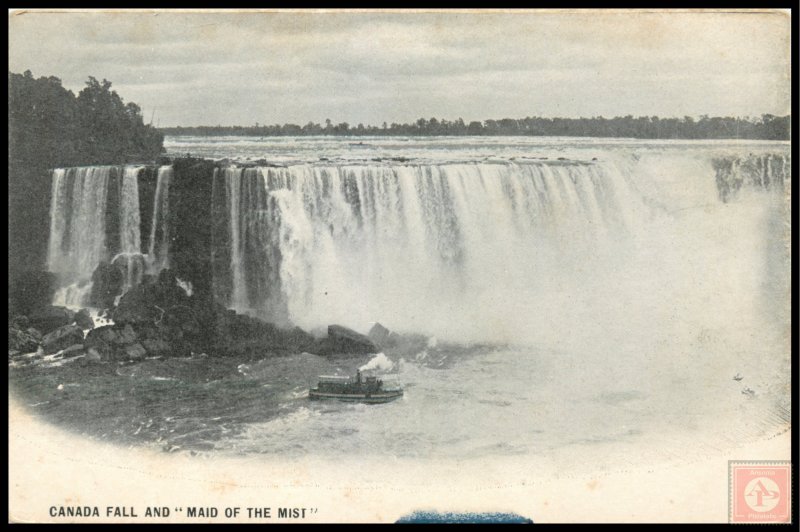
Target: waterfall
[
  {"x": 491, "y": 249},
  {"x": 767, "y": 171},
  {"x": 253, "y": 252},
  {"x": 130, "y": 258},
  {"x": 158, "y": 253},
  {"x": 345, "y": 242},
  {"x": 77, "y": 221},
  {"x": 130, "y": 238},
  {"x": 79, "y": 215},
  {"x": 233, "y": 182},
  {"x": 58, "y": 198}
]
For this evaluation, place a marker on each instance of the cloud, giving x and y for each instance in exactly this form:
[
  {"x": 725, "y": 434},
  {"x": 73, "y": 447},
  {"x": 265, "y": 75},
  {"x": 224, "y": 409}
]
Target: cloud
[{"x": 369, "y": 67}]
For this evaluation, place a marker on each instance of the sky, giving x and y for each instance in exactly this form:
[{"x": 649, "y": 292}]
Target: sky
[{"x": 235, "y": 68}]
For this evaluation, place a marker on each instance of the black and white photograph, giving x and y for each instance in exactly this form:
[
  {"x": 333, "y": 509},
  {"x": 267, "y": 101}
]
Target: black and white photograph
[{"x": 399, "y": 266}]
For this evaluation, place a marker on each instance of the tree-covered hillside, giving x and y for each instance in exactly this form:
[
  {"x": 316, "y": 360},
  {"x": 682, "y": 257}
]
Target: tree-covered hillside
[{"x": 47, "y": 122}]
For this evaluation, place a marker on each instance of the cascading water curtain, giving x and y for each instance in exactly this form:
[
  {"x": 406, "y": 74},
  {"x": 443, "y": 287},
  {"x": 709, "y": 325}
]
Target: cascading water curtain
[{"x": 158, "y": 252}]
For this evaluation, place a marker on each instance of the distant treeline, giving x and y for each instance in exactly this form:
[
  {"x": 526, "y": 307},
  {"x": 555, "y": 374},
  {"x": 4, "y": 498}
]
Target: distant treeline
[
  {"x": 49, "y": 127},
  {"x": 766, "y": 127}
]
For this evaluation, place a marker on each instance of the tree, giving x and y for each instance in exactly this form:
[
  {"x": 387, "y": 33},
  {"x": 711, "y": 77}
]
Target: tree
[{"x": 475, "y": 128}]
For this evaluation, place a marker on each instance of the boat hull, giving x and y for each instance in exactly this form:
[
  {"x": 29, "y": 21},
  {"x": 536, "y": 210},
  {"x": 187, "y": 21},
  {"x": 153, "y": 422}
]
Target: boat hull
[{"x": 369, "y": 398}]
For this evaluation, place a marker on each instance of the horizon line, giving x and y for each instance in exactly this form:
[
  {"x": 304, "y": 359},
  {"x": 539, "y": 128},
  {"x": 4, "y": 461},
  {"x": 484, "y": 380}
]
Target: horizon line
[{"x": 595, "y": 117}]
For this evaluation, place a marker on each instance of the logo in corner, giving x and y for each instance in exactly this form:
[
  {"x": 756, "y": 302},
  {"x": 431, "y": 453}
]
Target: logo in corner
[{"x": 760, "y": 492}]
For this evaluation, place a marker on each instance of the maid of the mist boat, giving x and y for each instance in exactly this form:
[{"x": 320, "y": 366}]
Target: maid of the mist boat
[{"x": 358, "y": 390}]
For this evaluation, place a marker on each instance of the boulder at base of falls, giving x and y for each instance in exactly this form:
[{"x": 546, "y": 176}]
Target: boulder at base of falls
[
  {"x": 383, "y": 337},
  {"x": 111, "y": 334},
  {"x": 379, "y": 334},
  {"x": 343, "y": 341},
  {"x": 84, "y": 320},
  {"x": 50, "y": 318},
  {"x": 107, "y": 281},
  {"x": 110, "y": 341},
  {"x": 182, "y": 320},
  {"x": 124, "y": 342},
  {"x": 403, "y": 344},
  {"x": 61, "y": 338},
  {"x": 242, "y": 335},
  {"x": 157, "y": 347},
  {"x": 165, "y": 341},
  {"x": 135, "y": 351},
  {"x": 23, "y": 340},
  {"x": 137, "y": 306},
  {"x": 151, "y": 300}
]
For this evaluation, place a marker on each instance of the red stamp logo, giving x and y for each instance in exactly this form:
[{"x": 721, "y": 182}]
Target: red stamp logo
[{"x": 760, "y": 492}]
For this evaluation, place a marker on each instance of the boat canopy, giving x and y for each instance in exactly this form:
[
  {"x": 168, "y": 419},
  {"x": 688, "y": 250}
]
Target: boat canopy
[{"x": 333, "y": 378}]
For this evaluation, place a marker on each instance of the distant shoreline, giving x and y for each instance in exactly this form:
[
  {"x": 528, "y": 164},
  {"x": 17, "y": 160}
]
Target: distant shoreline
[
  {"x": 383, "y": 136},
  {"x": 766, "y": 127}
]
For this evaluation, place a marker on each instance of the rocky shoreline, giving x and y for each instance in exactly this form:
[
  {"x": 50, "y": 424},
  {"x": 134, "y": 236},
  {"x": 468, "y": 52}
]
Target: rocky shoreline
[{"x": 160, "y": 318}]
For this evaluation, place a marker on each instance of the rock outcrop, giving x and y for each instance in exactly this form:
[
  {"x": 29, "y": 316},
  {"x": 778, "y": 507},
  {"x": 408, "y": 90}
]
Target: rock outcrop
[
  {"x": 50, "y": 318},
  {"x": 107, "y": 281},
  {"x": 23, "y": 340},
  {"x": 83, "y": 319},
  {"x": 135, "y": 351},
  {"x": 385, "y": 339},
  {"x": 113, "y": 342},
  {"x": 62, "y": 338},
  {"x": 379, "y": 334},
  {"x": 159, "y": 318},
  {"x": 398, "y": 344},
  {"x": 150, "y": 301},
  {"x": 242, "y": 335},
  {"x": 343, "y": 341}
]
